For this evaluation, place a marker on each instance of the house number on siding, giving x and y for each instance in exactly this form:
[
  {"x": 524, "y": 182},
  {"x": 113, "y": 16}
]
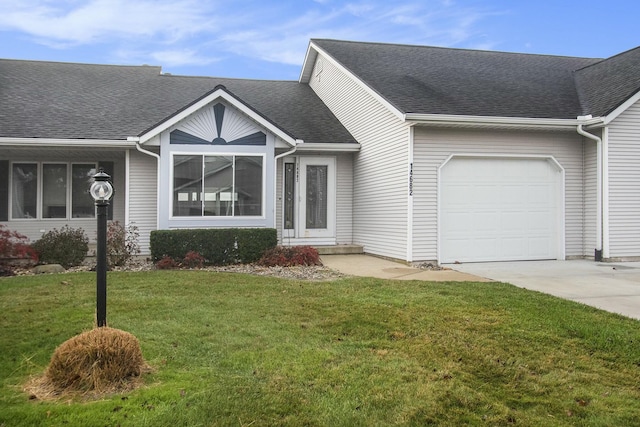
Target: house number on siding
[{"x": 411, "y": 179}]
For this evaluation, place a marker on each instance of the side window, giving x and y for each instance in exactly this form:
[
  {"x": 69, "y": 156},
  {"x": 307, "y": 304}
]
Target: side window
[
  {"x": 54, "y": 191},
  {"x": 24, "y": 191},
  {"x": 82, "y": 204},
  {"x": 4, "y": 190}
]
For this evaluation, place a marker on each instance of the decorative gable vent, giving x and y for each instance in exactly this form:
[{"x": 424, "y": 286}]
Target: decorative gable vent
[{"x": 218, "y": 125}]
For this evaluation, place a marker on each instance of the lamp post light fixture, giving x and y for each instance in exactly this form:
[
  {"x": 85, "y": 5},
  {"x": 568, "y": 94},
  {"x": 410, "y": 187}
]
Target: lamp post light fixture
[{"x": 101, "y": 190}]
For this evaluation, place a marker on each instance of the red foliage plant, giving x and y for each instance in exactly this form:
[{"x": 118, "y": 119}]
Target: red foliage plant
[
  {"x": 13, "y": 245},
  {"x": 167, "y": 263},
  {"x": 193, "y": 260},
  {"x": 289, "y": 256}
]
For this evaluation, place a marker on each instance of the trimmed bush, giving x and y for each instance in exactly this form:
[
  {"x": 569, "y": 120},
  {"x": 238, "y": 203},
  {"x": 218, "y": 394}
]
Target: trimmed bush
[
  {"x": 218, "y": 246},
  {"x": 67, "y": 246},
  {"x": 289, "y": 256}
]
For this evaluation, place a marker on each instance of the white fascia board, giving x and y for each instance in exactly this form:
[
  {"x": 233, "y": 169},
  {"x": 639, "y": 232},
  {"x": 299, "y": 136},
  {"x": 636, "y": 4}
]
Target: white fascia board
[
  {"x": 328, "y": 146},
  {"x": 355, "y": 78},
  {"x": 307, "y": 65},
  {"x": 491, "y": 121},
  {"x": 218, "y": 94},
  {"x": 60, "y": 142},
  {"x": 622, "y": 108}
]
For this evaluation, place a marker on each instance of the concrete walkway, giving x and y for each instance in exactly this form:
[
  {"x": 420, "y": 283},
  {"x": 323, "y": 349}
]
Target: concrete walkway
[
  {"x": 614, "y": 287},
  {"x": 370, "y": 266}
]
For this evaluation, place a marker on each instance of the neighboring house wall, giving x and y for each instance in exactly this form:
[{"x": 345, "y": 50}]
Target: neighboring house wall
[
  {"x": 624, "y": 184},
  {"x": 34, "y": 228},
  {"x": 433, "y": 146},
  {"x": 380, "y": 177},
  {"x": 143, "y": 196}
]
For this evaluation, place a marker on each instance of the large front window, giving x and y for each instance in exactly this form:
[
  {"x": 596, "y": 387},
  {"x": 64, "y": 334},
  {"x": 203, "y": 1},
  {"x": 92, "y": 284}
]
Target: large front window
[
  {"x": 51, "y": 190},
  {"x": 226, "y": 185}
]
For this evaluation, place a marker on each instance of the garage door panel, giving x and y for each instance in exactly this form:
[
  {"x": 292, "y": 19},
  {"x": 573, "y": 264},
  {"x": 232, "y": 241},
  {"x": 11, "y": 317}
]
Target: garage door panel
[{"x": 499, "y": 209}]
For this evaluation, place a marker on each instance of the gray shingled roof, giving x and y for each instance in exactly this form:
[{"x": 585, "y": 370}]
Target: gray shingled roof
[
  {"x": 64, "y": 100},
  {"x": 607, "y": 84},
  {"x": 432, "y": 80}
]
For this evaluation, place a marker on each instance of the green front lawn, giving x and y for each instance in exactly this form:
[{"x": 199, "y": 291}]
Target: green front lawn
[{"x": 233, "y": 349}]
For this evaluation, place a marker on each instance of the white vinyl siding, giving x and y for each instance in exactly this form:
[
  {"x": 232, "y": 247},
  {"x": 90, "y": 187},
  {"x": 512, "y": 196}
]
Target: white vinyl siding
[
  {"x": 344, "y": 199},
  {"x": 433, "y": 146},
  {"x": 624, "y": 184},
  {"x": 143, "y": 200},
  {"x": 380, "y": 182}
]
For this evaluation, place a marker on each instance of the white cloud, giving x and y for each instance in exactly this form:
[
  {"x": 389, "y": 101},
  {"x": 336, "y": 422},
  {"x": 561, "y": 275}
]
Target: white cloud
[
  {"x": 179, "y": 32},
  {"x": 78, "y": 23}
]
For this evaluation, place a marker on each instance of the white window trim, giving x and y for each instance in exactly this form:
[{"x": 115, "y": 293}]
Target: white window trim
[{"x": 218, "y": 218}]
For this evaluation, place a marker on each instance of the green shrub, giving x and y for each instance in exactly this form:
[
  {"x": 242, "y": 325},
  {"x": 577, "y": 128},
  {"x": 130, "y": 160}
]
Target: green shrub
[
  {"x": 122, "y": 243},
  {"x": 288, "y": 256},
  {"x": 67, "y": 246},
  {"x": 218, "y": 246}
]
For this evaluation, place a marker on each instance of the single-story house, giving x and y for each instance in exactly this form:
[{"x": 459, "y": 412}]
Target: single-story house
[{"x": 414, "y": 153}]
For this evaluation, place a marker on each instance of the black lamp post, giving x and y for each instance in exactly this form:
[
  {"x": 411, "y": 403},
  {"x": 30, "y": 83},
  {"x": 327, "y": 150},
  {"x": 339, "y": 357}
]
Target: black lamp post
[{"x": 101, "y": 191}]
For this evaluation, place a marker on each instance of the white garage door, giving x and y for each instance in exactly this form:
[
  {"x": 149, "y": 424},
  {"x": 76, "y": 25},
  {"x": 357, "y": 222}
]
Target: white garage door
[{"x": 499, "y": 209}]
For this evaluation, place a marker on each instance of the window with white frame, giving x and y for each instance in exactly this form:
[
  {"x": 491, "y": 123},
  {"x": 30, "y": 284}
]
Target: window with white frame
[
  {"x": 218, "y": 185},
  {"x": 51, "y": 190}
]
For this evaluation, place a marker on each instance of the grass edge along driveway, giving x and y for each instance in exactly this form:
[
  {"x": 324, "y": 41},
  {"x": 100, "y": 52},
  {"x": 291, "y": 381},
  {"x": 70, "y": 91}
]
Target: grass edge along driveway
[{"x": 235, "y": 349}]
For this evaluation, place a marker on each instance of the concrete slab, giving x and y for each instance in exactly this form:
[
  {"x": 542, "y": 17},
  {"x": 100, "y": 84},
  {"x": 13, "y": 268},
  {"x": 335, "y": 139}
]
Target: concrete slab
[
  {"x": 370, "y": 266},
  {"x": 613, "y": 287}
]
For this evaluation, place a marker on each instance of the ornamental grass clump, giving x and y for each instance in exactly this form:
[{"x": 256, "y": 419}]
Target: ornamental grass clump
[{"x": 101, "y": 361}]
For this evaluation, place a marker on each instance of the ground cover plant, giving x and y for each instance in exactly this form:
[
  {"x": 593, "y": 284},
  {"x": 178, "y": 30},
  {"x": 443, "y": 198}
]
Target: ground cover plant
[{"x": 235, "y": 349}]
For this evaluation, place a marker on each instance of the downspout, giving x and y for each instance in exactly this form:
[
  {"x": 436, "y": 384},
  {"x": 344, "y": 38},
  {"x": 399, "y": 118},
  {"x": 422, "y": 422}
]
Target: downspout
[
  {"x": 157, "y": 156},
  {"x": 275, "y": 179},
  {"x": 599, "y": 205}
]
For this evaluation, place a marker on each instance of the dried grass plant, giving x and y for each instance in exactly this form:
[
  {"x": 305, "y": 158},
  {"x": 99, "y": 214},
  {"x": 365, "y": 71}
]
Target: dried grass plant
[{"x": 97, "y": 362}]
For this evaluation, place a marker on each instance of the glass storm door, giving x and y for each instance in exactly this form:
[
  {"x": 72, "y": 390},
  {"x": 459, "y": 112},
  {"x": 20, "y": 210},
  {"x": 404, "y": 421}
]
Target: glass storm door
[{"x": 317, "y": 216}]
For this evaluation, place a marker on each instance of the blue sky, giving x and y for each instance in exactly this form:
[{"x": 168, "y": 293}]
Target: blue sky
[{"x": 268, "y": 39}]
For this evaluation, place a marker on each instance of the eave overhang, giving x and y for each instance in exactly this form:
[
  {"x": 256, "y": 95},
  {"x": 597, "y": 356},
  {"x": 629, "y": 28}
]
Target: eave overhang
[
  {"x": 493, "y": 122},
  {"x": 329, "y": 147},
  {"x": 62, "y": 142}
]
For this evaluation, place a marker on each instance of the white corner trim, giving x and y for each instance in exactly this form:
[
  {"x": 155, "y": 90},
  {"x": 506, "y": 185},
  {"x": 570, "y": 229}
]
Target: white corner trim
[
  {"x": 410, "y": 181},
  {"x": 127, "y": 192},
  {"x": 218, "y": 94},
  {"x": 622, "y": 108},
  {"x": 605, "y": 194},
  {"x": 393, "y": 110}
]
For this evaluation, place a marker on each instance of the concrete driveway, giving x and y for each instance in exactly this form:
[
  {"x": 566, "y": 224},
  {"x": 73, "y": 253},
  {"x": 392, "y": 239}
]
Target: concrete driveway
[{"x": 613, "y": 287}]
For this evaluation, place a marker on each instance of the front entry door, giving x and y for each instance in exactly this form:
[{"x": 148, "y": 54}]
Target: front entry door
[{"x": 317, "y": 199}]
